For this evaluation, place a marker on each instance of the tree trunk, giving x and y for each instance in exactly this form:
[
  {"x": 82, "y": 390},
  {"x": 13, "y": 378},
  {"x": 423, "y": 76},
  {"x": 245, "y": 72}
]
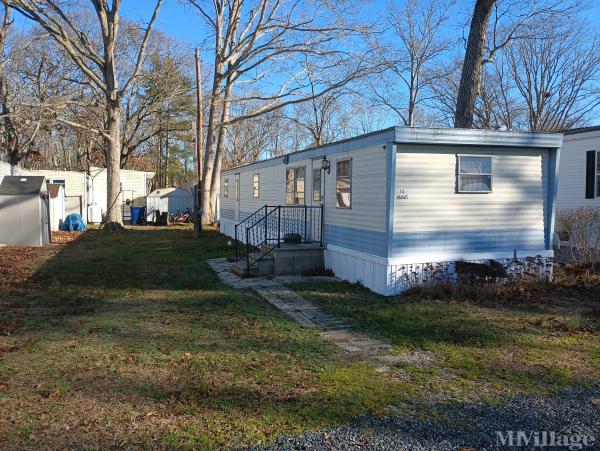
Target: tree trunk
[
  {"x": 114, "y": 220},
  {"x": 472, "y": 69},
  {"x": 216, "y": 177}
]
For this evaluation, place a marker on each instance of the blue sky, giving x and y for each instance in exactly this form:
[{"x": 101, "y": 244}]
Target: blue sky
[{"x": 181, "y": 21}]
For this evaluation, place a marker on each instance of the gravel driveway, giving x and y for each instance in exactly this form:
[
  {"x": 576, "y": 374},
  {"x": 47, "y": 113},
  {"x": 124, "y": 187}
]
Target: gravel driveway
[{"x": 572, "y": 412}]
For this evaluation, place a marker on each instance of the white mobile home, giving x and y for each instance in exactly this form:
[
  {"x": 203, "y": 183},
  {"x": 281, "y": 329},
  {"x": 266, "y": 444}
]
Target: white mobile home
[
  {"x": 77, "y": 186},
  {"x": 134, "y": 189},
  {"x": 579, "y": 182},
  {"x": 401, "y": 206}
]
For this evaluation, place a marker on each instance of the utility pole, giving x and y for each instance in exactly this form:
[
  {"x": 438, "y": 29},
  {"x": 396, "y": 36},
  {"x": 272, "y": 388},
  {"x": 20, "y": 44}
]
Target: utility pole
[{"x": 198, "y": 207}]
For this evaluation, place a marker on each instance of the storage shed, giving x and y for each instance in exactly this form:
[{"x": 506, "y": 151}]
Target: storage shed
[
  {"x": 168, "y": 199},
  {"x": 24, "y": 211},
  {"x": 402, "y": 206},
  {"x": 56, "y": 195}
]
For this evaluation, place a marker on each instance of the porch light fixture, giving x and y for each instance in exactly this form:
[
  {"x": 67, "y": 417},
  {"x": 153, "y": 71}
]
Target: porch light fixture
[
  {"x": 326, "y": 164},
  {"x": 286, "y": 159}
]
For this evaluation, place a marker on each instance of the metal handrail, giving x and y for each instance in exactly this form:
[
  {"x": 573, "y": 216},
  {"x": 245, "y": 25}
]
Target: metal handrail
[
  {"x": 266, "y": 238},
  {"x": 260, "y": 210}
]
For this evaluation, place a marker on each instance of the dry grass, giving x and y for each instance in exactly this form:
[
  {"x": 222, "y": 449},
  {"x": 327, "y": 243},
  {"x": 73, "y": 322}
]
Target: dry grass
[
  {"x": 129, "y": 340},
  {"x": 489, "y": 338}
]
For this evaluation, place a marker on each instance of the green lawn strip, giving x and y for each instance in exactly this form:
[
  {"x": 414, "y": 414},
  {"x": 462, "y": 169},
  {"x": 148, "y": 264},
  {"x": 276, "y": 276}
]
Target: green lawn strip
[
  {"x": 131, "y": 340},
  {"x": 498, "y": 348}
]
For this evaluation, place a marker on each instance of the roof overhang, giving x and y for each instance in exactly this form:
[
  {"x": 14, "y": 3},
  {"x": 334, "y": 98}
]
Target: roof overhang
[{"x": 471, "y": 137}]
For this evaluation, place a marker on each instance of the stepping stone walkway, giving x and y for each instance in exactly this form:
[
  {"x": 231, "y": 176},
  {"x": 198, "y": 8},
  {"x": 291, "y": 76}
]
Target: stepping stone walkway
[{"x": 306, "y": 313}]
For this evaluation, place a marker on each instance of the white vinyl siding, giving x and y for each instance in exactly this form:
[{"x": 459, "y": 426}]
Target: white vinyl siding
[
  {"x": 572, "y": 170},
  {"x": 433, "y": 208},
  {"x": 368, "y": 189}
]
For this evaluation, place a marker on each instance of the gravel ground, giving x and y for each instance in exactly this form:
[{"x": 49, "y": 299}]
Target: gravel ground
[{"x": 464, "y": 426}]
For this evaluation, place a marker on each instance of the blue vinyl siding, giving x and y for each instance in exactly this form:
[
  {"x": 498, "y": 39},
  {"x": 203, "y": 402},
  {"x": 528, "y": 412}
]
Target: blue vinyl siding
[
  {"x": 466, "y": 241},
  {"x": 367, "y": 241}
]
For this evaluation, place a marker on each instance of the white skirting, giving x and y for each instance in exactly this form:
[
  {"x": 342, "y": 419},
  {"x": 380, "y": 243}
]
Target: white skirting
[
  {"x": 391, "y": 276},
  {"x": 227, "y": 227}
]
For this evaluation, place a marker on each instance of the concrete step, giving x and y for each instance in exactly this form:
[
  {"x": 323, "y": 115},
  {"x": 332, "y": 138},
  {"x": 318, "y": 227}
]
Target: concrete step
[{"x": 262, "y": 267}]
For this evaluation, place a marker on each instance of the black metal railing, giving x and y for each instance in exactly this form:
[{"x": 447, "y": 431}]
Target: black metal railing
[{"x": 266, "y": 228}]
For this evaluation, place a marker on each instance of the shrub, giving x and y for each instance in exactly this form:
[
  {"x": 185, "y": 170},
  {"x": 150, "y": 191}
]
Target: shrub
[{"x": 578, "y": 230}]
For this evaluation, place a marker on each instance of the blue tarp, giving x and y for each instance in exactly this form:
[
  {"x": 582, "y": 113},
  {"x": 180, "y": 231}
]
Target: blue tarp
[{"x": 73, "y": 223}]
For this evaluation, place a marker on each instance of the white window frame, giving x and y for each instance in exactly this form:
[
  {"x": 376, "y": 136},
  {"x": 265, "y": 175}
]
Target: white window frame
[
  {"x": 236, "y": 188},
  {"x": 296, "y": 191},
  {"x": 458, "y": 173},
  {"x": 226, "y": 188},
  {"x": 256, "y": 185},
  {"x": 62, "y": 182},
  {"x": 342, "y": 160}
]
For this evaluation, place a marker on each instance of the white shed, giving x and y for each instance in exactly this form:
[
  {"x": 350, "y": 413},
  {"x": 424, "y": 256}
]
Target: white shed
[
  {"x": 56, "y": 195},
  {"x": 24, "y": 206},
  {"x": 168, "y": 199}
]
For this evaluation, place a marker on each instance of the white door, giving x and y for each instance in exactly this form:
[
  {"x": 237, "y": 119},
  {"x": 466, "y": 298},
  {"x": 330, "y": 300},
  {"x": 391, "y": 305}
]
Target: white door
[{"x": 237, "y": 194}]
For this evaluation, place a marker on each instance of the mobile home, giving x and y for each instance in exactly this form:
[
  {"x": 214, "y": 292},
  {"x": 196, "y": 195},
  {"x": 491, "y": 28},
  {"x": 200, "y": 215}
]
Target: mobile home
[
  {"x": 402, "y": 206},
  {"x": 77, "y": 187},
  {"x": 134, "y": 189},
  {"x": 579, "y": 183}
]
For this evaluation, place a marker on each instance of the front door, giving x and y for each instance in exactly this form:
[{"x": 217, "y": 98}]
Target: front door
[{"x": 236, "y": 193}]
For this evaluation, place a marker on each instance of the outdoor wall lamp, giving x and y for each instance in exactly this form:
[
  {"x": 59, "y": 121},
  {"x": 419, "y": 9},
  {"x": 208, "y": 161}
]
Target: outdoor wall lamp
[
  {"x": 326, "y": 164},
  {"x": 286, "y": 159}
]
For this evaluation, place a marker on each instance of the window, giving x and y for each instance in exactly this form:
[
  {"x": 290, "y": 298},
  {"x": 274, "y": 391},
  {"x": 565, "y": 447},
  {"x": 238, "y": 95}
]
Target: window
[
  {"x": 294, "y": 186},
  {"x": 343, "y": 184},
  {"x": 316, "y": 185},
  {"x": 255, "y": 185},
  {"x": 474, "y": 174},
  {"x": 226, "y": 188},
  {"x": 236, "y": 188},
  {"x": 58, "y": 182}
]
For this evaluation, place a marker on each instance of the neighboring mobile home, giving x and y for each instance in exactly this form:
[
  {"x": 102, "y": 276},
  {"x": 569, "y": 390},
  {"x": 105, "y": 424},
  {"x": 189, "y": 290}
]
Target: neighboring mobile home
[
  {"x": 579, "y": 182},
  {"x": 135, "y": 186},
  {"x": 403, "y": 205},
  {"x": 77, "y": 186}
]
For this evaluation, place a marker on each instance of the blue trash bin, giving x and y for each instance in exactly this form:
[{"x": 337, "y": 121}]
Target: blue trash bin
[{"x": 137, "y": 215}]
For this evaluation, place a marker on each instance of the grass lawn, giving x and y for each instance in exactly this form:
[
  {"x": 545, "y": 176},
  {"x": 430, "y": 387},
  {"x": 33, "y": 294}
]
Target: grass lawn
[
  {"x": 131, "y": 340},
  {"x": 481, "y": 342}
]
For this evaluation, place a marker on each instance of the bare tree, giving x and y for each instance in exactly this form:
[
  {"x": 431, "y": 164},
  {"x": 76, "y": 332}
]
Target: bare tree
[
  {"x": 496, "y": 24},
  {"x": 98, "y": 64},
  {"x": 556, "y": 75},
  {"x": 264, "y": 43},
  {"x": 417, "y": 27},
  {"x": 472, "y": 69}
]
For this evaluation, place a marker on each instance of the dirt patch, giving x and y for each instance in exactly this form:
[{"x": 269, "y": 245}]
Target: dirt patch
[{"x": 17, "y": 264}]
